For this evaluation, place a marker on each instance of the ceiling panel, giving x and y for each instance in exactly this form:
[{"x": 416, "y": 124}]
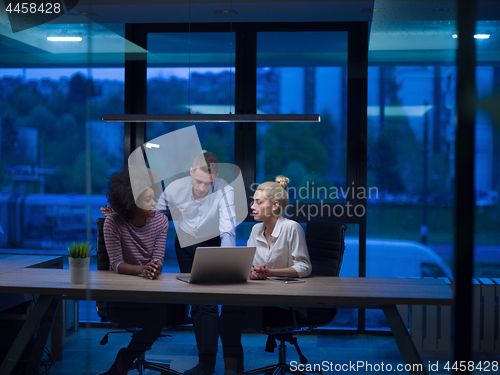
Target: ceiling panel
[{"x": 401, "y": 31}]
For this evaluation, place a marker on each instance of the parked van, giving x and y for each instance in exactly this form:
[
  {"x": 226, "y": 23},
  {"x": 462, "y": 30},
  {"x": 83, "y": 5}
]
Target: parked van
[
  {"x": 394, "y": 258},
  {"x": 387, "y": 258}
]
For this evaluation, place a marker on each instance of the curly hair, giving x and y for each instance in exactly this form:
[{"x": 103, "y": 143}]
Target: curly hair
[{"x": 121, "y": 196}]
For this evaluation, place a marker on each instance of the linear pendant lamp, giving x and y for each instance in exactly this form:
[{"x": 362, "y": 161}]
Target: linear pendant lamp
[{"x": 210, "y": 118}]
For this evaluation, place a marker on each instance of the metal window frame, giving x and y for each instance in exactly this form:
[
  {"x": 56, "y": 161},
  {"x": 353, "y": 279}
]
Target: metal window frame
[{"x": 245, "y": 142}]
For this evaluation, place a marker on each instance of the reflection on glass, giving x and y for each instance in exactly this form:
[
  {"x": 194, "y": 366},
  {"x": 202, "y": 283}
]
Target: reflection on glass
[
  {"x": 304, "y": 72},
  {"x": 192, "y": 73},
  {"x": 411, "y": 160},
  {"x": 48, "y": 139},
  {"x": 177, "y": 170}
]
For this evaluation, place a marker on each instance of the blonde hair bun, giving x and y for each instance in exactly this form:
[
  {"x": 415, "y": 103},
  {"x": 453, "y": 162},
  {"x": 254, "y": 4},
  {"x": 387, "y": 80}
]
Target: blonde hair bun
[{"x": 283, "y": 181}]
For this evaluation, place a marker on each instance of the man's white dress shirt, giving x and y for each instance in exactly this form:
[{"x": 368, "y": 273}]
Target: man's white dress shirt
[{"x": 212, "y": 216}]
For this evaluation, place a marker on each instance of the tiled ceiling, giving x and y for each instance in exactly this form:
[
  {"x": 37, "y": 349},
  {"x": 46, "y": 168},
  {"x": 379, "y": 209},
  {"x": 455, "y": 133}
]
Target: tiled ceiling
[{"x": 400, "y": 30}]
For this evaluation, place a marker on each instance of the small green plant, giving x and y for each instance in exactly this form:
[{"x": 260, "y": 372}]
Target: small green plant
[{"x": 80, "y": 250}]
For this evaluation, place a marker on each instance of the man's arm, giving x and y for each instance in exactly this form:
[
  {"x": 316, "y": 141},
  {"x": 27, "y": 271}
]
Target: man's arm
[
  {"x": 162, "y": 205},
  {"x": 228, "y": 239},
  {"x": 227, "y": 218}
]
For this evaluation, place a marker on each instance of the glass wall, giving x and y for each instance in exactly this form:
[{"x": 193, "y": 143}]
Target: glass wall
[
  {"x": 411, "y": 161},
  {"x": 55, "y": 154},
  {"x": 303, "y": 73},
  {"x": 411, "y": 132},
  {"x": 192, "y": 73},
  {"x": 487, "y": 172}
]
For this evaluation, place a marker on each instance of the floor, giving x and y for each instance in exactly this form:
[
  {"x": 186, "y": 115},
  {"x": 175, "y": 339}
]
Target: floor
[{"x": 84, "y": 355}]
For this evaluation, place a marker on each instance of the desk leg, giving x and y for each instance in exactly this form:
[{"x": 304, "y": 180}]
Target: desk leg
[
  {"x": 404, "y": 341},
  {"x": 42, "y": 334},
  {"x": 76, "y": 306},
  {"x": 42, "y": 315},
  {"x": 57, "y": 334}
]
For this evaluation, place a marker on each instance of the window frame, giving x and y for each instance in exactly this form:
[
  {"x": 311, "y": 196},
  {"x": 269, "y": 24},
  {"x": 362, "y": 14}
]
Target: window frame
[{"x": 245, "y": 137}]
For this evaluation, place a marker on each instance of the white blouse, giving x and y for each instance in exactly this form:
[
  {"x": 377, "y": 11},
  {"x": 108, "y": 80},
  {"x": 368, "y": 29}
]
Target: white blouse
[{"x": 288, "y": 247}]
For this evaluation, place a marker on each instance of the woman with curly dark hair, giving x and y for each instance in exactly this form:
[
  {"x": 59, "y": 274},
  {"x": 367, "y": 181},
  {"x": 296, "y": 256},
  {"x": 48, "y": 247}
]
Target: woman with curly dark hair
[{"x": 135, "y": 237}]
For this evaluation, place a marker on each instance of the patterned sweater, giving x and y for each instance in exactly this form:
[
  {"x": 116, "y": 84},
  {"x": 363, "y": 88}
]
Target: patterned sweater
[{"x": 133, "y": 245}]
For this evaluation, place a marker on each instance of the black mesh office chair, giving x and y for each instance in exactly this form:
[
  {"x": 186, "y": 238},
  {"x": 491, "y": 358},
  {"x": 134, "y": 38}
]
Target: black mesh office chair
[
  {"x": 175, "y": 314},
  {"x": 325, "y": 241}
]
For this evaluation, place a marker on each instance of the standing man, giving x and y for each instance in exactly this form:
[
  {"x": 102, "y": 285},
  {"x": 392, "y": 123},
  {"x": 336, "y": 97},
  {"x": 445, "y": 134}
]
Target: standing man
[{"x": 203, "y": 205}]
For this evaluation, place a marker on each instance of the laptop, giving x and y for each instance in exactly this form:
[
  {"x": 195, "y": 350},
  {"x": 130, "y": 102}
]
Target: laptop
[{"x": 220, "y": 265}]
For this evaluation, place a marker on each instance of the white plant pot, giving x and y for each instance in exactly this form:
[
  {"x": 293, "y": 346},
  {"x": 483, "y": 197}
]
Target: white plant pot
[{"x": 79, "y": 270}]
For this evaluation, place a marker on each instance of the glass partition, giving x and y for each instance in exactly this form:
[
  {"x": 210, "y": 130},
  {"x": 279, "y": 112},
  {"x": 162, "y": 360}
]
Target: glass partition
[
  {"x": 192, "y": 73},
  {"x": 411, "y": 160},
  {"x": 304, "y": 73},
  {"x": 56, "y": 154},
  {"x": 487, "y": 173}
]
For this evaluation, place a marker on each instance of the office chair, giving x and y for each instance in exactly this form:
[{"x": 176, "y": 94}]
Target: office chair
[
  {"x": 325, "y": 241},
  {"x": 176, "y": 314}
]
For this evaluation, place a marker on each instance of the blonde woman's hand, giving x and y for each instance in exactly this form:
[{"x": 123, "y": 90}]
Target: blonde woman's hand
[{"x": 258, "y": 272}]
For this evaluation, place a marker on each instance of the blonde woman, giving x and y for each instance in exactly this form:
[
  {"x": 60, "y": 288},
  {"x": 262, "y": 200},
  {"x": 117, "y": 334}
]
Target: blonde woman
[
  {"x": 281, "y": 250},
  {"x": 135, "y": 236}
]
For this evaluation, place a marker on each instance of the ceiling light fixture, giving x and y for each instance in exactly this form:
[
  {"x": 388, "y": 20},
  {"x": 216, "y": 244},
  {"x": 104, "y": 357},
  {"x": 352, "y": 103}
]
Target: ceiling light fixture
[
  {"x": 476, "y": 36},
  {"x": 211, "y": 118},
  {"x": 372, "y": 10},
  {"x": 81, "y": 14},
  {"x": 193, "y": 117},
  {"x": 224, "y": 12},
  {"x": 64, "y": 38}
]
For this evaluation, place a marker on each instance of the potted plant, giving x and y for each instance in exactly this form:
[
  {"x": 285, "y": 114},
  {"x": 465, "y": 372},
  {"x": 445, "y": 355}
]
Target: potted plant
[{"x": 79, "y": 262}]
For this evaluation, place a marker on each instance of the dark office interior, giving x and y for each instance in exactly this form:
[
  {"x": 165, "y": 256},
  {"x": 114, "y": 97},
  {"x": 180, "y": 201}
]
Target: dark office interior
[{"x": 406, "y": 154}]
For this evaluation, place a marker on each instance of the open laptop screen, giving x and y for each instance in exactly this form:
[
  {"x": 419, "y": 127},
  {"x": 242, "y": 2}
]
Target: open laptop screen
[{"x": 221, "y": 264}]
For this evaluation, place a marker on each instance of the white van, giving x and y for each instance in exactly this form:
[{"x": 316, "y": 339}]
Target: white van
[
  {"x": 387, "y": 258},
  {"x": 394, "y": 258}
]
